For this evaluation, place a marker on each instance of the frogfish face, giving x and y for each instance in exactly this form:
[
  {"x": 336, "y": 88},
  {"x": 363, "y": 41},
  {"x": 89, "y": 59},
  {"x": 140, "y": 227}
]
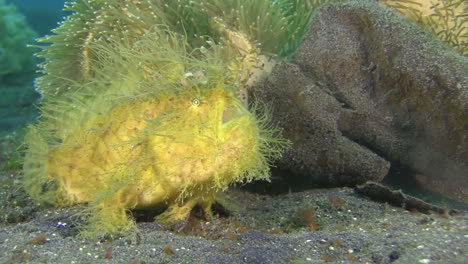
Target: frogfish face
[{"x": 177, "y": 150}]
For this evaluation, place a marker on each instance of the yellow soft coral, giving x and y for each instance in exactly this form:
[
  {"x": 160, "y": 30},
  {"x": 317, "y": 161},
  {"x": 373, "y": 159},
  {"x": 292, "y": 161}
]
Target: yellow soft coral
[{"x": 445, "y": 18}]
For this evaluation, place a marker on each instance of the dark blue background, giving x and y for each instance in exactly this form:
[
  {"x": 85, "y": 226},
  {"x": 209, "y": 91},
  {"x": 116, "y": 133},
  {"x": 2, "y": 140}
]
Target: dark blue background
[
  {"x": 17, "y": 94},
  {"x": 42, "y": 15}
]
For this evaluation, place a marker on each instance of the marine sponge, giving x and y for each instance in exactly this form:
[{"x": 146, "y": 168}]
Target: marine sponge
[
  {"x": 16, "y": 34},
  {"x": 151, "y": 121},
  {"x": 447, "y": 19}
]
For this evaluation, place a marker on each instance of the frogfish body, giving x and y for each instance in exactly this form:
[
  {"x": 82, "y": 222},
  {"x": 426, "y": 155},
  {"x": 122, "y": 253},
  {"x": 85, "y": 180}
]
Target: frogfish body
[
  {"x": 176, "y": 151},
  {"x": 134, "y": 116}
]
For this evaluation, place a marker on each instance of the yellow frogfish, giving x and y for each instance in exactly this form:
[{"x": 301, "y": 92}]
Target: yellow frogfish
[{"x": 153, "y": 126}]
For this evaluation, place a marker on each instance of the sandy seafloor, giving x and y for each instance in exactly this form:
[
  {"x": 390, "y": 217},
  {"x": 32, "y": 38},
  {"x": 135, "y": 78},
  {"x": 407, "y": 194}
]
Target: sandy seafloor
[{"x": 261, "y": 229}]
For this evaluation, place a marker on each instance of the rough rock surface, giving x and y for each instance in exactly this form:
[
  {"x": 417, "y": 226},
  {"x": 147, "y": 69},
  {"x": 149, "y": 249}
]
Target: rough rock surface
[
  {"x": 309, "y": 115},
  {"x": 367, "y": 89}
]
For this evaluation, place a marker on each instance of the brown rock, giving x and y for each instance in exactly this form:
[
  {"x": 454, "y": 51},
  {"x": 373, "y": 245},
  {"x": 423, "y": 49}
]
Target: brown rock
[
  {"x": 309, "y": 115},
  {"x": 366, "y": 86}
]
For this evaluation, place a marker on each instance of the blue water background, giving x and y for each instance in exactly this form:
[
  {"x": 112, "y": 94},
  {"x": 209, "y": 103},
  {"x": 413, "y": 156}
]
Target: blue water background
[
  {"x": 42, "y": 15},
  {"x": 18, "y": 98}
]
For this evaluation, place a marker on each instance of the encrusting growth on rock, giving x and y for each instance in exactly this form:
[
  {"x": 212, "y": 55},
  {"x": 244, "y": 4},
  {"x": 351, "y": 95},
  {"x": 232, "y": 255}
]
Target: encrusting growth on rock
[{"x": 447, "y": 19}]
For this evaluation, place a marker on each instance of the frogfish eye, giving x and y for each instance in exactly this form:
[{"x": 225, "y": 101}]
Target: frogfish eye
[{"x": 195, "y": 102}]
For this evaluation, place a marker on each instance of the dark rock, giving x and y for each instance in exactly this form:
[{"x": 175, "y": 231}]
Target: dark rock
[
  {"x": 393, "y": 256},
  {"x": 309, "y": 115},
  {"x": 384, "y": 194},
  {"x": 367, "y": 88}
]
